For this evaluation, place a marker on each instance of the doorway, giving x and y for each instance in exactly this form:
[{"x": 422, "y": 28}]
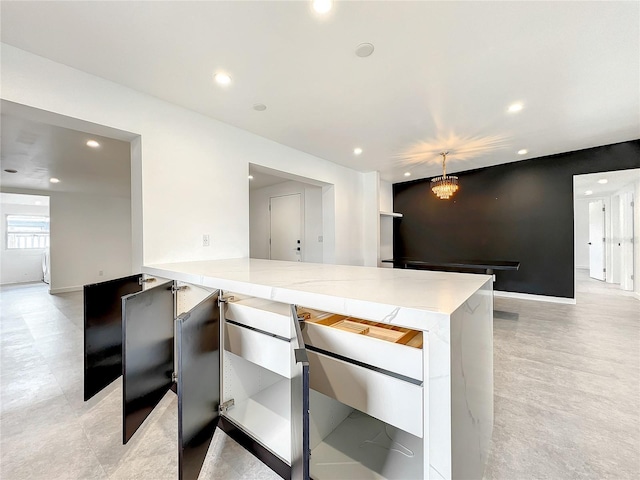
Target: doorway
[
  {"x": 90, "y": 173},
  {"x": 604, "y": 227},
  {"x": 627, "y": 240},
  {"x": 25, "y": 238},
  {"x": 597, "y": 240},
  {"x": 291, "y": 218}
]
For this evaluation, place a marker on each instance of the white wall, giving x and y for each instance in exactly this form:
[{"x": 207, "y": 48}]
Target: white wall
[
  {"x": 20, "y": 265},
  {"x": 312, "y": 219},
  {"x": 371, "y": 217},
  {"x": 313, "y": 231},
  {"x": 193, "y": 168},
  {"x": 386, "y": 223},
  {"x": 89, "y": 234},
  {"x": 386, "y": 196}
]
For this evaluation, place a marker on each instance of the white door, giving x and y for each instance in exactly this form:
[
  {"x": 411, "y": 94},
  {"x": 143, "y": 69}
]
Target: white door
[
  {"x": 626, "y": 241},
  {"x": 596, "y": 240},
  {"x": 286, "y": 231},
  {"x": 615, "y": 265}
]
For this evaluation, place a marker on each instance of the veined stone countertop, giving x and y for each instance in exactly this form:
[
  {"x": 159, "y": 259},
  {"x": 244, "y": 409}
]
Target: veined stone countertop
[
  {"x": 409, "y": 298},
  {"x": 454, "y": 309}
]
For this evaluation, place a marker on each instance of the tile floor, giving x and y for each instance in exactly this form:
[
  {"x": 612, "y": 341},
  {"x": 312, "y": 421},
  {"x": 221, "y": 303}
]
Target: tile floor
[{"x": 567, "y": 396}]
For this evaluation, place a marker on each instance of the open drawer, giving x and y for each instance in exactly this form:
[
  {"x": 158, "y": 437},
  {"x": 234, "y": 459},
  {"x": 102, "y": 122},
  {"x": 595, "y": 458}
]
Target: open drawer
[
  {"x": 394, "y": 401},
  {"x": 395, "y": 349},
  {"x": 261, "y": 314},
  {"x": 269, "y": 352}
]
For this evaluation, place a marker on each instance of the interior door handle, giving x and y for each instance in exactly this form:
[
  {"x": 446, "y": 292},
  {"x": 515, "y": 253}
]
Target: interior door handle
[{"x": 589, "y": 243}]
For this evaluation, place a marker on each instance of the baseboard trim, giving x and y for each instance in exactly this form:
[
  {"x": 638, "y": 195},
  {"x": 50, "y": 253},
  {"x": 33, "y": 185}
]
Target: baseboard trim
[
  {"x": 28, "y": 282},
  {"x": 535, "y": 298},
  {"x": 637, "y": 295},
  {"x": 55, "y": 291}
]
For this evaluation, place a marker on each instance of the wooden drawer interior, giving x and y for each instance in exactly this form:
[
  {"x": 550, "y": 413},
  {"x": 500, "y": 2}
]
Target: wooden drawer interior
[{"x": 382, "y": 331}]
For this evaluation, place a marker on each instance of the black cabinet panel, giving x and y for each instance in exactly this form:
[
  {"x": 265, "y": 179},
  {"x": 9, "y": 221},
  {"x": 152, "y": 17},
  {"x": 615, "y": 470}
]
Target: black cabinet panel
[
  {"x": 147, "y": 354},
  {"x": 300, "y": 447},
  {"x": 103, "y": 331},
  {"x": 198, "y": 340}
]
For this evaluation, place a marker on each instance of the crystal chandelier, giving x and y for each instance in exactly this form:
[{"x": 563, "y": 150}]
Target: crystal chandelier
[{"x": 444, "y": 186}]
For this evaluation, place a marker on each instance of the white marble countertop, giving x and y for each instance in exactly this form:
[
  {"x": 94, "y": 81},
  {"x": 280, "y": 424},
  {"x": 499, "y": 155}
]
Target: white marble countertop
[{"x": 395, "y": 296}]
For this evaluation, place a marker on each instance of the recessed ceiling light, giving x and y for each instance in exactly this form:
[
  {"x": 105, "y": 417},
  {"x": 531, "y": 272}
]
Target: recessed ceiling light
[
  {"x": 357, "y": 151},
  {"x": 54, "y": 180},
  {"x": 92, "y": 144},
  {"x": 515, "y": 107},
  {"x": 222, "y": 79},
  {"x": 524, "y": 151},
  {"x": 407, "y": 174},
  {"x": 603, "y": 181},
  {"x": 259, "y": 107},
  {"x": 364, "y": 49},
  {"x": 250, "y": 177},
  {"x": 38, "y": 202},
  {"x": 588, "y": 192},
  {"x": 10, "y": 170},
  {"x": 322, "y": 6}
]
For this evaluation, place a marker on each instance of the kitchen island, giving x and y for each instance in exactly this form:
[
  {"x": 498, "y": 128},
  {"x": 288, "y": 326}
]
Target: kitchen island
[{"x": 432, "y": 396}]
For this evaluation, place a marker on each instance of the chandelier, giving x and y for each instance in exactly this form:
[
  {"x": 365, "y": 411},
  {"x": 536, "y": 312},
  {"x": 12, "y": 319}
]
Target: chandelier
[{"x": 444, "y": 186}]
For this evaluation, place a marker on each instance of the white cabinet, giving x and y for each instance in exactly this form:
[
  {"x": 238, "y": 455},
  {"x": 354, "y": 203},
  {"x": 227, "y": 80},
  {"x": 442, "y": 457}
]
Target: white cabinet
[
  {"x": 375, "y": 370},
  {"x": 365, "y": 380},
  {"x": 259, "y": 364},
  {"x": 320, "y": 370}
]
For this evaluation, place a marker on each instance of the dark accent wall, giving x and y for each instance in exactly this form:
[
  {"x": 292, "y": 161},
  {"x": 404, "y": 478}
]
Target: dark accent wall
[{"x": 520, "y": 211}]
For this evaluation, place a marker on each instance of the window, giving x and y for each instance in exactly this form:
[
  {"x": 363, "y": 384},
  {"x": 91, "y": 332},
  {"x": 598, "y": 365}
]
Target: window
[{"x": 27, "y": 231}]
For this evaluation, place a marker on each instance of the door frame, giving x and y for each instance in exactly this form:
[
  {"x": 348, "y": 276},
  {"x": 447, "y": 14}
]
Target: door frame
[
  {"x": 325, "y": 250},
  {"x": 595, "y": 242},
  {"x": 629, "y": 189}
]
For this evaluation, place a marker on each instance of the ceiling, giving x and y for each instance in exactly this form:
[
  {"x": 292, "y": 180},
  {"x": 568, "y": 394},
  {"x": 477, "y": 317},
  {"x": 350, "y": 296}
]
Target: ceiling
[
  {"x": 441, "y": 77},
  {"x": 39, "y": 151},
  {"x": 261, "y": 177},
  {"x": 616, "y": 181},
  {"x": 262, "y": 180},
  {"x": 20, "y": 199}
]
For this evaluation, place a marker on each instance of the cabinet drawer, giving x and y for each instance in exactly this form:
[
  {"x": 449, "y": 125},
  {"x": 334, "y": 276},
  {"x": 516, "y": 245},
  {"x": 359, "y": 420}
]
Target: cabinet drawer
[
  {"x": 398, "y": 350},
  {"x": 262, "y": 314},
  {"x": 266, "y": 351},
  {"x": 394, "y": 401}
]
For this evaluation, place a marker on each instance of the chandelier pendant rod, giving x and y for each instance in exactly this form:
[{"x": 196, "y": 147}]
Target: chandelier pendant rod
[{"x": 444, "y": 167}]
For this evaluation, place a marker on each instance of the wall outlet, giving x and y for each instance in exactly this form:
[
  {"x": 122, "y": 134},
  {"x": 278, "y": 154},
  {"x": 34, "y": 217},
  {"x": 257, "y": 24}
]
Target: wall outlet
[
  {"x": 100, "y": 273},
  {"x": 206, "y": 241},
  {"x": 319, "y": 238}
]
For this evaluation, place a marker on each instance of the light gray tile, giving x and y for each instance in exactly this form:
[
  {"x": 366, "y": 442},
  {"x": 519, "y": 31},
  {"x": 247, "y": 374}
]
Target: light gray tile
[{"x": 567, "y": 397}]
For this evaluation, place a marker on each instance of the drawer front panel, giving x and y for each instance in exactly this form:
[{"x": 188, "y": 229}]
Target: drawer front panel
[
  {"x": 262, "y": 314},
  {"x": 389, "y": 399},
  {"x": 268, "y": 352},
  {"x": 390, "y": 356}
]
